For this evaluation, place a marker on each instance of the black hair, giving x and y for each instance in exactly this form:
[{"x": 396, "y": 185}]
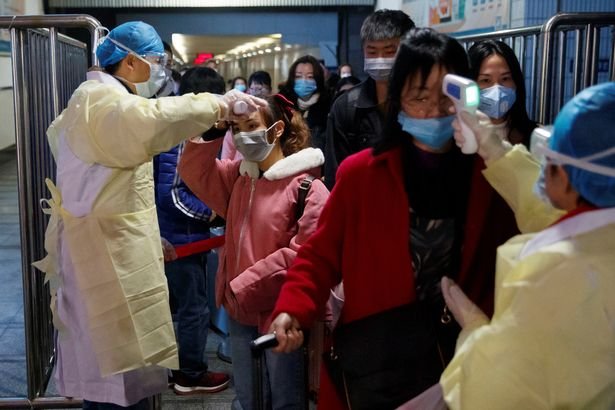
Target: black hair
[
  {"x": 419, "y": 51},
  {"x": 234, "y": 80},
  {"x": 167, "y": 47},
  {"x": 176, "y": 75},
  {"x": 260, "y": 77},
  {"x": 352, "y": 80},
  {"x": 319, "y": 77},
  {"x": 517, "y": 117},
  {"x": 385, "y": 24},
  {"x": 112, "y": 68},
  {"x": 201, "y": 80}
]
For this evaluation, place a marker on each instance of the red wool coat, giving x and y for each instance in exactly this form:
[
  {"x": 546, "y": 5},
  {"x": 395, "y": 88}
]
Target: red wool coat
[{"x": 363, "y": 237}]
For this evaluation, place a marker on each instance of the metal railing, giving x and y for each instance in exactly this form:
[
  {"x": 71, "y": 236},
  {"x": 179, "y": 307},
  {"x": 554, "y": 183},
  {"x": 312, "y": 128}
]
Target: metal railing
[
  {"x": 47, "y": 67},
  {"x": 569, "y": 52}
]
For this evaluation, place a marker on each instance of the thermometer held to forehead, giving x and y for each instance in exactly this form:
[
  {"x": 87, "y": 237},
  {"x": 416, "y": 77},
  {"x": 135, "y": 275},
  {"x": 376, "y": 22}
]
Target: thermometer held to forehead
[{"x": 466, "y": 96}]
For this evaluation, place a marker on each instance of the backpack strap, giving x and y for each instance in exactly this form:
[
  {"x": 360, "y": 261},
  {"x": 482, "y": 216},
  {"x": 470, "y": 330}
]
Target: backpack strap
[{"x": 304, "y": 188}]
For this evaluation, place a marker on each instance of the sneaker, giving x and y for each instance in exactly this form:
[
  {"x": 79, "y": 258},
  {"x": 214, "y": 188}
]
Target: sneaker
[
  {"x": 170, "y": 380},
  {"x": 209, "y": 382}
]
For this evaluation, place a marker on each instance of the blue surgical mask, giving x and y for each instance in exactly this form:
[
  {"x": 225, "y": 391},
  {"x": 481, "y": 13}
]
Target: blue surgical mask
[
  {"x": 240, "y": 87},
  {"x": 305, "y": 88},
  {"x": 497, "y": 100},
  {"x": 433, "y": 132}
]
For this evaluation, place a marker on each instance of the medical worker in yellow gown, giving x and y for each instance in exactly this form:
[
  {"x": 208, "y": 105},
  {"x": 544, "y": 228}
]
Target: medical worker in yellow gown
[
  {"x": 104, "y": 251},
  {"x": 551, "y": 341}
]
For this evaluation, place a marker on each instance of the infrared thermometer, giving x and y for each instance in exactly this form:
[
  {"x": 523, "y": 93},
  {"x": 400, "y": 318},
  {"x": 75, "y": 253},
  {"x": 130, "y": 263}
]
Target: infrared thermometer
[
  {"x": 466, "y": 96},
  {"x": 240, "y": 108}
]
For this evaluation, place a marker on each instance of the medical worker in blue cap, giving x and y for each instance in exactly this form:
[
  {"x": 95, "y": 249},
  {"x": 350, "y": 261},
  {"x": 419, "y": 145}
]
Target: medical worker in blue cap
[
  {"x": 105, "y": 260},
  {"x": 551, "y": 341}
]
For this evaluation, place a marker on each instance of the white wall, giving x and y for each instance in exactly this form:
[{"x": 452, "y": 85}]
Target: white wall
[
  {"x": 389, "y": 4},
  {"x": 7, "y": 113}
]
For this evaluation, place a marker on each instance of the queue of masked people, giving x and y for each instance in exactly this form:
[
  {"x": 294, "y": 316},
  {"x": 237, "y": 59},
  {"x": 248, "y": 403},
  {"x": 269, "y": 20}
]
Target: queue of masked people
[{"x": 443, "y": 279}]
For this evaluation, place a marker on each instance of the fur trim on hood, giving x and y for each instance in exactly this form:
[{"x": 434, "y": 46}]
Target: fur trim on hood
[{"x": 302, "y": 161}]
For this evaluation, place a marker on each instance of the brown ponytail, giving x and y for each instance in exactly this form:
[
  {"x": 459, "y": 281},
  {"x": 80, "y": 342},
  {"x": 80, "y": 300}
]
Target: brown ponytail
[{"x": 296, "y": 134}]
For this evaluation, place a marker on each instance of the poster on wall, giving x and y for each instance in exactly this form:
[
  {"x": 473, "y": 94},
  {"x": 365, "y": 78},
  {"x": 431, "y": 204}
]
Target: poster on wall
[
  {"x": 459, "y": 16},
  {"x": 9, "y": 8}
]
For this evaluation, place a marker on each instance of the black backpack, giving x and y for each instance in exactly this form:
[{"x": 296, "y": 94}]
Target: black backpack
[{"x": 304, "y": 188}]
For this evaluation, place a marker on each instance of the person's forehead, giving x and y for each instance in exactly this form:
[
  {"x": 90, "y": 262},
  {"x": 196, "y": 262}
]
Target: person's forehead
[
  {"x": 388, "y": 42},
  {"x": 304, "y": 67}
]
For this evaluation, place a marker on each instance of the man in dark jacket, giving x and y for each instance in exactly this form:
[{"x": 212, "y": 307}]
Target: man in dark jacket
[
  {"x": 184, "y": 219},
  {"x": 355, "y": 119}
]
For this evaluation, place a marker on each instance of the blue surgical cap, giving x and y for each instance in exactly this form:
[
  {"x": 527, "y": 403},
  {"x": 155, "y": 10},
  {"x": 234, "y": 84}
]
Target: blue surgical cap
[
  {"x": 586, "y": 126},
  {"x": 138, "y": 36}
]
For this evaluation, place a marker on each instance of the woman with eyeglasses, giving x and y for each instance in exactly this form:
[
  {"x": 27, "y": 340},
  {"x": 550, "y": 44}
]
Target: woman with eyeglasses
[{"x": 400, "y": 217}]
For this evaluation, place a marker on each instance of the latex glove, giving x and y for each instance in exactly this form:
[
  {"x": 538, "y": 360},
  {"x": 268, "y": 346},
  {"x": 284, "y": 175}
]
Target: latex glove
[
  {"x": 467, "y": 314},
  {"x": 229, "y": 101},
  {"x": 288, "y": 333},
  {"x": 430, "y": 399},
  {"x": 168, "y": 250},
  {"x": 490, "y": 146}
]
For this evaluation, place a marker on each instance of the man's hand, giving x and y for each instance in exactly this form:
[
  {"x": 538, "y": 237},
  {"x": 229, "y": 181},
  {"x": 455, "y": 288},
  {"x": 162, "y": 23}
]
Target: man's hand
[
  {"x": 288, "y": 333},
  {"x": 168, "y": 250},
  {"x": 466, "y": 313},
  {"x": 490, "y": 146}
]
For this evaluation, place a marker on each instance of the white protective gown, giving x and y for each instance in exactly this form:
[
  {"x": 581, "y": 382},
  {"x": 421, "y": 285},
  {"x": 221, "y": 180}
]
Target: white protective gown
[{"x": 104, "y": 251}]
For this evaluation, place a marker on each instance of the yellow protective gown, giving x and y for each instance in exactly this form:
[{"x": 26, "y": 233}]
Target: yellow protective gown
[
  {"x": 551, "y": 341},
  {"x": 103, "y": 242},
  {"x": 513, "y": 177}
]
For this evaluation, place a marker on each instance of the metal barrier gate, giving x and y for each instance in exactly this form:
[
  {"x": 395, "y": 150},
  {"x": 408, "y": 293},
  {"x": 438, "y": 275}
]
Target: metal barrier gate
[
  {"x": 571, "y": 51},
  {"x": 566, "y": 54},
  {"x": 47, "y": 68}
]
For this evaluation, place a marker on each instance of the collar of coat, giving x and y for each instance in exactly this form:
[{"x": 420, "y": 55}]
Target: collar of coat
[
  {"x": 567, "y": 228},
  {"x": 302, "y": 161}
]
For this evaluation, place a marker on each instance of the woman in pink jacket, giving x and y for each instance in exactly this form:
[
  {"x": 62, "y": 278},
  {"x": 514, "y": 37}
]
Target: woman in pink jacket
[{"x": 258, "y": 197}]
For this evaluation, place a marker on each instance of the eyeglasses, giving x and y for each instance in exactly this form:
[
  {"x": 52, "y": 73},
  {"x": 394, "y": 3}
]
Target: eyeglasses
[
  {"x": 539, "y": 147},
  {"x": 259, "y": 90},
  {"x": 428, "y": 104},
  {"x": 155, "y": 58},
  {"x": 539, "y": 142},
  {"x": 152, "y": 58}
]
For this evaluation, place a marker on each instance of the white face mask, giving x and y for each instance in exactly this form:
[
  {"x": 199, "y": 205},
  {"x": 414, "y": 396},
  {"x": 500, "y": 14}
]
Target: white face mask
[
  {"x": 157, "y": 79},
  {"x": 253, "y": 145},
  {"x": 379, "y": 68},
  {"x": 157, "y": 73}
]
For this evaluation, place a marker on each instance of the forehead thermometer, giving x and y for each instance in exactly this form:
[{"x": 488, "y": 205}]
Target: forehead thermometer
[
  {"x": 240, "y": 108},
  {"x": 466, "y": 96}
]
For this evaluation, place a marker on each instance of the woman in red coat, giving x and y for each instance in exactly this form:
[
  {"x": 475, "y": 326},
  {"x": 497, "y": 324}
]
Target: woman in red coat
[{"x": 397, "y": 221}]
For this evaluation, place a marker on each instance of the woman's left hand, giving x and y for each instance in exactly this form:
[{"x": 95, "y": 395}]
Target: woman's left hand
[{"x": 288, "y": 333}]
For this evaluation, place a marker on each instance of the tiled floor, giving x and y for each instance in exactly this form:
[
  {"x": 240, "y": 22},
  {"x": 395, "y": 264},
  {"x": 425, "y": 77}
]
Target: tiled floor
[{"x": 12, "y": 346}]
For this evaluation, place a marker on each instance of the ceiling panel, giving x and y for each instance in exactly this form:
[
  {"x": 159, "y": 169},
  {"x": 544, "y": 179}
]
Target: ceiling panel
[
  {"x": 207, "y": 3},
  {"x": 188, "y": 46}
]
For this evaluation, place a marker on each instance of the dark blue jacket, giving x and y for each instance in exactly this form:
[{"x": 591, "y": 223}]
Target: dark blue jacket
[{"x": 182, "y": 217}]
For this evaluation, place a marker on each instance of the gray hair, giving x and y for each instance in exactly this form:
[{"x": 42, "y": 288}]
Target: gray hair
[{"x": 385, "y": 24}]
